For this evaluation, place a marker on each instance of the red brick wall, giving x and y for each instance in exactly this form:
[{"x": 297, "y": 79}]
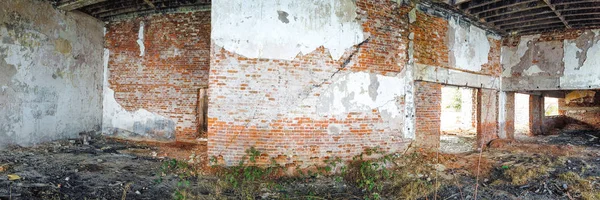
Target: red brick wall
[
  {"x": 431, "y": 45},
  {"x": 509, "y": 119},
  {"x": 487, "y": 128},
  {"x": 536, "y": 114},
  {"x": 270, "y": 104},
  {"x": 428, "y": 110},
  {"x": 166, "y": 79}
]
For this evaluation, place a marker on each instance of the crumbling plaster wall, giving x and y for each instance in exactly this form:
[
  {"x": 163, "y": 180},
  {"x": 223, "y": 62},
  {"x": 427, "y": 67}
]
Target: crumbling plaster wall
[
  {"x": 451, "y": 51},
  {"x": 326, "y": 80},
  {"x": 555, "y": 61},
  {"x": 51, "y": 73},
  {"x": 154, "y": 67}
]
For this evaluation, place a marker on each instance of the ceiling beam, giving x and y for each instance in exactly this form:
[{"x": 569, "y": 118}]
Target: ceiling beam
[
  {"x": 579, "y": 8},
  {"x": 525, "y": 21},
  {"x": 150, "y": 3},
  {"x": 514, "y": 11},
  {"x": 503, "y": 6},
  {"x": 481, "y": 4},
  {"x": 557, "y": 14},
  {"x": 580, "y": 14},
  {"x": 76, "y": 4},
  {"x": 585, "y": 19},
  {"x": 520, "y": 16},
  {"x": 520, "y": 29},
  {"x": 530, "y": 24},
  {"x": 574, "y": 2}
]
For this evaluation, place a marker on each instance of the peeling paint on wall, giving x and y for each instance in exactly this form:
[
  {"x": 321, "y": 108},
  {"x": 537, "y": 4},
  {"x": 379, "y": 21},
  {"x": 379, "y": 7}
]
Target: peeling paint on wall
[
  {"x": 469, "y": 46},
  {"x": 266, "y": 34},
  {"x": 140, "y": 40},
  {"x": 120, "y": 122},
  {"x": 356, "y": 92},
  {"x": 46, "y": 91},
  {"x": 539, "y": 63},
  {"x": 582, "y": 65}
]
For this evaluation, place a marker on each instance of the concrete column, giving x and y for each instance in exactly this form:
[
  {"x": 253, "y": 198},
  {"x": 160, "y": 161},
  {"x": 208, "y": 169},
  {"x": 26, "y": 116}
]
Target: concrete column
[
  {"x": 487, "y": 112},
  {"x": 536, "y": 114},
  {"x": 507, "y": 115}
]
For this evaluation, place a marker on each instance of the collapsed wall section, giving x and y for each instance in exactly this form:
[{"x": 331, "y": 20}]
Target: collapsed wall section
[
  {"x": 306, "y": 81},
  {"x": 155, "y": 67},
  {"x": 51, "y": 73},
  {"x": 582, "y": 107}
]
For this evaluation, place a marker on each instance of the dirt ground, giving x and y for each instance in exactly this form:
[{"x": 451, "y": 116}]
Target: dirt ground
[{"x": 563, "y": 166}]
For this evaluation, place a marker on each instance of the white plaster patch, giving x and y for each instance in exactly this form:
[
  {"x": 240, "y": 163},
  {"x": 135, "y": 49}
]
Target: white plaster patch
[
  {"x": 352, "y": 93},
  {"x": 532, "y": 70},
  {"x": 282, "y": 29},
  {"x": 115, "y": 117},
  {"x": 511, "y": 56},
  {"x": 469, "y": 47},
  {"x": 140, "y": 40},
  {"x": 588, "y": 75}
]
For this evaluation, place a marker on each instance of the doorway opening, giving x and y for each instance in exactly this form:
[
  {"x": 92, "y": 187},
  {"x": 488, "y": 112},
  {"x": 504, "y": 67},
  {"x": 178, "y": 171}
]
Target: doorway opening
[
  {"x": 458, "y": 120},
  {"x": 521, "y": 115}
]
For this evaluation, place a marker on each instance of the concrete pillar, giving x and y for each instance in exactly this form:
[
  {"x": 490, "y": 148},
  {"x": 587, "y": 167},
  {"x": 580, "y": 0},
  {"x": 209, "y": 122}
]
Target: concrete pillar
[
  {"x": 507, "y": 115},
  {"x": 487, "y": 112},
  {"x": 536, "y": 114}
]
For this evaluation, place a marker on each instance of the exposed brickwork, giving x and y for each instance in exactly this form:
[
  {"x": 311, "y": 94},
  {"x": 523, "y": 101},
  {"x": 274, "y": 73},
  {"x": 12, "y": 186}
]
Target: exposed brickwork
[
  {"x": 550, "y": 36},
  {"x": 428, "y": 110},
  {"x": 487, "y": 128},
  {"x": 536, "y": 114},
  {"x": 430, "y": 42},
  {"x": 167, "y": 78},
  {"x": 586, "y": 110},
  {"x": 385, "y": 23},
  {"x": 431, "y": 45},
  {"x": 493, "y": 67},
  {"x": 509, "y": 119},
  {"x": 271, "y": 104}
]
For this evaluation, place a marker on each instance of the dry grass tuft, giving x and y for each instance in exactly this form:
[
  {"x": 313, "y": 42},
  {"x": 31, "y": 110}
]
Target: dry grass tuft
[{"x": 521, "y": 175}]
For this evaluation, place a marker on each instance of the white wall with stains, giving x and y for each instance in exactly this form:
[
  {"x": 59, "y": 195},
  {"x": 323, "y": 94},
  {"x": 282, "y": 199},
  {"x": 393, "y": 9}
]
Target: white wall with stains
[
  {"x": 51, "y": 73},
  {"x": 283, "y": 29},
  {"x": 552, "y": 65},
  {"x": 469, "y": 46}
]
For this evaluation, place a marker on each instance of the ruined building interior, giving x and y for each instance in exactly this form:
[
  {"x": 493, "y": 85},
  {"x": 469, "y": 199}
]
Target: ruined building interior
[{"x": 321, "y": 99}]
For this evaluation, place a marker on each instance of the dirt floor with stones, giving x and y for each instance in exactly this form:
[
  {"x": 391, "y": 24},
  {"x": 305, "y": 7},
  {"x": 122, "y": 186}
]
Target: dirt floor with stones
[{"x": 565, "y": 165}]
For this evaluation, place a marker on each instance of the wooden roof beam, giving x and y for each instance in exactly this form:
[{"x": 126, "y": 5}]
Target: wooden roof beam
[
  {"x": 504, "y": 6},
  {"x": 514, "y": 11},
  {"x": 557, "y": 14},
  {"x": 481, "y": 4},
  {"x": 519, "y": 16},
  {"x": 529, "y": 24},
  {"x": 526, "y": 20},
  {"x": 76, "y": 4},
  {"x": 538, "y": 27}
]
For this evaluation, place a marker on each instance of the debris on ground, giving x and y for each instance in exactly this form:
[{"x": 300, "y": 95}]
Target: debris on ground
[{"x": 562, "y": 166}]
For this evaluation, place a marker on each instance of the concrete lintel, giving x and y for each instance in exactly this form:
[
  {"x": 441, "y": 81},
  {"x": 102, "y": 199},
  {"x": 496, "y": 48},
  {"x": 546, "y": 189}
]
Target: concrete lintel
[
  {"x": 455, "y": 77},
  {"x": 544, "y": 83}
]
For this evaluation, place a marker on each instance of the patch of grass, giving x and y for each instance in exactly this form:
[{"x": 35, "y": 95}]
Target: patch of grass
[
  {"x": 184, "y": 173},
  {"x": 521, "y": 175},
  {"x": 415, "y": 178},
  {"x": 369, "y": 173},
  {"x": 583, "y": 187}
]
